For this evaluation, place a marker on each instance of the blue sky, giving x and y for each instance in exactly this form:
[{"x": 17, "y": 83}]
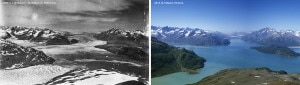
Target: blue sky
[{"x": 228, "y": 15}]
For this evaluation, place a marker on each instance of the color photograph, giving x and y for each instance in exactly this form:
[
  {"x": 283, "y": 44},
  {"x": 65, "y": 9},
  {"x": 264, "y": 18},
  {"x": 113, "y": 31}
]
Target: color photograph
[{"x": 225, "y": 42}]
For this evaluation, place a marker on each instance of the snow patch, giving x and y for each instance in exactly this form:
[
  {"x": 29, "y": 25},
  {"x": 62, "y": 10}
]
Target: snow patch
[
  {"x": 187, "y": 34},
  {"x": 2, "y": 33},
  {"x": 94, "y": 77},
  {"x": 31, "y": 75}
]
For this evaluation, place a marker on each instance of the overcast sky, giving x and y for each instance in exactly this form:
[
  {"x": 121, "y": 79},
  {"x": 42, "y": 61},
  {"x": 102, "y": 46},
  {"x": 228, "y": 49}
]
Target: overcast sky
[{"x": 77, "y": 15}]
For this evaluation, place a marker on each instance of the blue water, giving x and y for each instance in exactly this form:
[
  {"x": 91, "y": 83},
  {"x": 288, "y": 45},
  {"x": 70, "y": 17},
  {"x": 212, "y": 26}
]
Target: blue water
[{"x": 237, "y": 55}]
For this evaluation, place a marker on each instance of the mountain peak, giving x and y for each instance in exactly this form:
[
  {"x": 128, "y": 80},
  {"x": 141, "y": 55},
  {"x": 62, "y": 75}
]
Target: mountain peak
[
  {"x": 115, "y": 34},
  {"x": 268, "y": 35},
  {"x": 268, "y": 29}
]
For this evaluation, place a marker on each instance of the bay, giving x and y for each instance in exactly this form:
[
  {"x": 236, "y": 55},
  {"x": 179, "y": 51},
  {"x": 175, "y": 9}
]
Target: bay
[{"x": 237, "y": 55}]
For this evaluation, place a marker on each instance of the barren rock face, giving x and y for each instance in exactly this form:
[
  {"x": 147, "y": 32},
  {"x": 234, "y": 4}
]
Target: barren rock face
[
  {"x": 48, "y": 36},
  {"x": 14, "y": 56}
]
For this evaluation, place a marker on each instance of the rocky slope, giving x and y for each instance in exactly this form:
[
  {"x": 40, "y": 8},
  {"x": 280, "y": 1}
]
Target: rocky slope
[
  {"x": 15, "y": 56},
  {"x": 133, "y": 44},
  {"x": 47, "y": 36},
  {"x": 269, "y": 36},
  {"x": 134, "y": 53},
  {"x": 166, "y": 59},
  {"x": 127, "y": 45},
  {"x": 277, "y": 50},
  {"x": 94, "y": 77},
  {"x": 255, "y": 76},
  {"x": 189, "y": 36},
  {"x": 132, "y": 37}
]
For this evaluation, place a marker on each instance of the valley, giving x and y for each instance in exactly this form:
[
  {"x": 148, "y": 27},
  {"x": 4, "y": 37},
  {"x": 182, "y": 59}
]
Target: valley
[
  {"x": 237, "y": 55},
  {"x": 80, "y": 58},
  {"x": 266, "y": 48}
]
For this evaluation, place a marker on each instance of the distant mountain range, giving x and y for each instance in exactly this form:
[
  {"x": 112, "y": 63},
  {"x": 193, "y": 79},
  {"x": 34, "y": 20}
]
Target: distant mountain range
[
  {"x": 15, "y": 56},
  {"x": 119, "y": 51},
  {"x": 47, "y": 36},
  {"x": 270, "y": 36},
  {"x": 189, "y": 36},
  {"x": 118, "y": 34}
]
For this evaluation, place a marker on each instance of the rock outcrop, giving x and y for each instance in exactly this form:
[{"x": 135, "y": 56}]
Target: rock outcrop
[
  {"x": 13, "y": 56},
  {"x": 254, "y": 76}
]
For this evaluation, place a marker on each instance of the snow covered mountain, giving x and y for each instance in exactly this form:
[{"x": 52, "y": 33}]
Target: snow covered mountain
[
  {"x": 124, "y": 38},
  {"x": 189, "y": 36},
  {"x": 118, "y": 34},
  {"x": 14, "y": 56},
  {"x": 270, "y": 36},
  {"x": 75, "y": 64},
  {"x": 49, "y": 37}
]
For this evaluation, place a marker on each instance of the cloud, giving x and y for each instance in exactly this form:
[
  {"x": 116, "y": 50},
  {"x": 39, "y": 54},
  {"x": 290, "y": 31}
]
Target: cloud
[
  {"x": 75, "y": 5},
  {"x": 91, "y": 5},
  {"x": 91, "y": 12},
  {"x": 82, "y": 19},
  {"x": 30, "y": 14}
]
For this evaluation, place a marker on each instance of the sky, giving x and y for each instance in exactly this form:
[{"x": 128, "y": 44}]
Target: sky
[
  {"x": 228, "y": 15},
  {"x": 76, "y": 15}
]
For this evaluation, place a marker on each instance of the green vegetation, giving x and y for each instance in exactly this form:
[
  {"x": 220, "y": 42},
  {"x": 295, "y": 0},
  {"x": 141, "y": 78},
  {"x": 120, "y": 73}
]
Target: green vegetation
[
  {"x": 168, "y": 59},
  {"x": 278, "y": 50}
]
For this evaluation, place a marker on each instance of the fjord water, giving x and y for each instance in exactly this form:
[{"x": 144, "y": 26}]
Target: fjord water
[{"x": 237, "y": 55}]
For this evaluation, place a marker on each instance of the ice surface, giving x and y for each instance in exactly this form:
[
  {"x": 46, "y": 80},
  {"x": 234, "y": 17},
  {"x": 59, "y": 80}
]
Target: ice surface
[{"x": 31, "y": 75}]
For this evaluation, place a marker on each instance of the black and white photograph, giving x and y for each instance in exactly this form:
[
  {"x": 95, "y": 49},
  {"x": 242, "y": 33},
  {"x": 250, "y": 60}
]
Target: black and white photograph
[{"x": 74, "y": 42}]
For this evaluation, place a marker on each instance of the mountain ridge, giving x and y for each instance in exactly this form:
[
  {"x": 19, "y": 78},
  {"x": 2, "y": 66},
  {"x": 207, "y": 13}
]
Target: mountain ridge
[
  {"x": 270, "y": 36},
  {"x": 189, "y": 36},
  {"x": 44, "y": 35},
  {"x": 14, "y": 56},
  {"x": 168, "y": 59}
]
